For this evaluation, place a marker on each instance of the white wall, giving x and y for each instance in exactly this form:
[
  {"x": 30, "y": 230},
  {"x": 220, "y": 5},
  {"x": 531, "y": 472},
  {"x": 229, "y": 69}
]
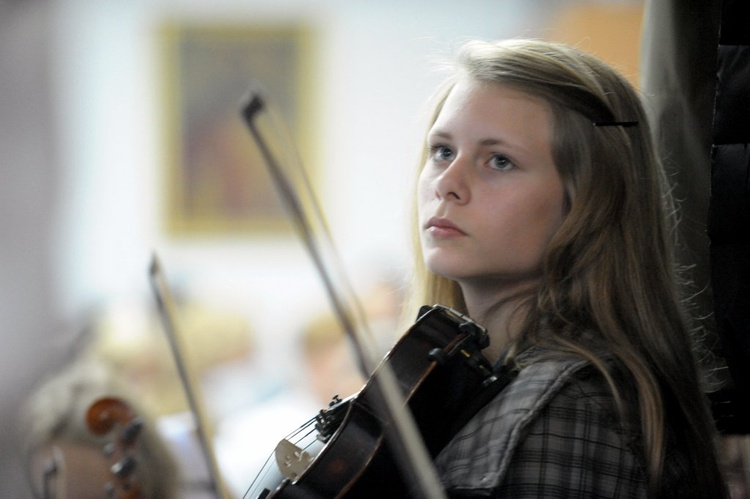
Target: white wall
[{"x": 30, "y": 328}]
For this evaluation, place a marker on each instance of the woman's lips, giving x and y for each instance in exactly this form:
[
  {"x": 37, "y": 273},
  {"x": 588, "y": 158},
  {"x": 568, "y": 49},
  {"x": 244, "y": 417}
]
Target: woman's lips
[{"x": 443, "y": 228}]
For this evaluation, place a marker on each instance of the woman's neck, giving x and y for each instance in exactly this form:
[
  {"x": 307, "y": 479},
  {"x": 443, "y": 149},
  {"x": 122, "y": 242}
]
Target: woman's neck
[{"x": 501, "y": 314}]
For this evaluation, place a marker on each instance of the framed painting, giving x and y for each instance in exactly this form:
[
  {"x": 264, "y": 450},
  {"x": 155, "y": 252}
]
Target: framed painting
[{"x": 216, "y": 181}]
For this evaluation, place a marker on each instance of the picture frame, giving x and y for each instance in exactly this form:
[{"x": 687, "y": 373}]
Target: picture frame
[{"x": 216, "y": 183}]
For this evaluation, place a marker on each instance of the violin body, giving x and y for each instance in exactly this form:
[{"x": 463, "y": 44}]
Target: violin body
[{"x": 440, "y": 369}]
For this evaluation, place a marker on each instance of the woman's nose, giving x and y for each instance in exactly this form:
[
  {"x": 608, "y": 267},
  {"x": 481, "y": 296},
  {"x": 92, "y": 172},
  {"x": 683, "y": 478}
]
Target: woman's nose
[{"x": 452, "y": 183}]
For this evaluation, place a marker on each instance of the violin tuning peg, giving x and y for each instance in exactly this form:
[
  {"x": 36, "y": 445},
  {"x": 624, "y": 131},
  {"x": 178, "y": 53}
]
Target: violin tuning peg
[
  {"x": 477, "y": 332},
  {"x": 438, "y": 355},
  {"x": 108, "y": 449},
  {"x": 131, "y": 431},
  {"x": 423, "y": 310},
  {"x": 124, "y": 467}
]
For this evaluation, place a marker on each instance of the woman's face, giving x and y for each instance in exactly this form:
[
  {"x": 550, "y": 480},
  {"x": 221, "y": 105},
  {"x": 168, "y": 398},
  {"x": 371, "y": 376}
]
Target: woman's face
[{"x": 489, "y": 196}]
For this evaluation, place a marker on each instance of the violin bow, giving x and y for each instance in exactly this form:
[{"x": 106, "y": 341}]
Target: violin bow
[
  {"x": 296, "y": 193},
  {"x": 167, "y": 314}
]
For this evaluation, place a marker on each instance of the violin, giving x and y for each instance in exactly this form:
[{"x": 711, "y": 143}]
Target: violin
[
  {"x": 444, "y": 379},
  {"x": 111, "y": 415}
]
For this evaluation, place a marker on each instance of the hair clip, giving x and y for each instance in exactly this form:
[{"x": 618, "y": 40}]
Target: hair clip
[{"x": 616, "y": 123}]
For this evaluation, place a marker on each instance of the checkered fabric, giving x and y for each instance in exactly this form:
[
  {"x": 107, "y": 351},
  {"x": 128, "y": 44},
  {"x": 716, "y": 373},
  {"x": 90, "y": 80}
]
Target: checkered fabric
[{"x": 553, "y": 432}]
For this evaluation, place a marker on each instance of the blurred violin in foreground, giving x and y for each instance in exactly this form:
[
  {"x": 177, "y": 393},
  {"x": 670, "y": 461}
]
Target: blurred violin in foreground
[
  {"x": 75, "y": 470},
  {"x": 113, "y": 416}
]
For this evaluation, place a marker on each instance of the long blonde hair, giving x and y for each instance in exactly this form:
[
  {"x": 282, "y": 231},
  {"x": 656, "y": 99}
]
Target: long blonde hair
[{"x": 609, "y": 278}]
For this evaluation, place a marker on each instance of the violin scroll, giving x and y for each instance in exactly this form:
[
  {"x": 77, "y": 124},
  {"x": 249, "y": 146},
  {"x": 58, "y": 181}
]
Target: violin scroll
[{"x": 104, "y": 416}]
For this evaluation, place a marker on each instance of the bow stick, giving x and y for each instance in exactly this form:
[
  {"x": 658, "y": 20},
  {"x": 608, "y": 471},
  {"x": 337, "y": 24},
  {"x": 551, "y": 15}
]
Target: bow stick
[
  {"x": 403, "y": 434},
  {"x": 166, "y": 312}
]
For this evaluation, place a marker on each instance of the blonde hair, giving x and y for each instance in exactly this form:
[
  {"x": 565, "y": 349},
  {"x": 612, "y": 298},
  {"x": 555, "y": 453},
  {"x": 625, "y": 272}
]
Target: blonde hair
[{"x": 609, "y": 288}]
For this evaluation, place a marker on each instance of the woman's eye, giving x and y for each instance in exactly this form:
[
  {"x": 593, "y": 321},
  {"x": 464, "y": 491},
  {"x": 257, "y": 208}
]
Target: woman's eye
[
  {"x": 441, "y": 153},
  {"x": 500, "y": 162}
]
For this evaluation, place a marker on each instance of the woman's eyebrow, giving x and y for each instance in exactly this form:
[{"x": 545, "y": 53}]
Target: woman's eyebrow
[{"x": 439, "y": 134}]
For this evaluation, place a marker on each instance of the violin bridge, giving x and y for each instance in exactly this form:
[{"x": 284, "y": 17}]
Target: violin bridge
[{"x": 291, "y": 460}]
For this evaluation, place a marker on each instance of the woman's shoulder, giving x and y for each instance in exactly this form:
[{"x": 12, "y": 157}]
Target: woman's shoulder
[
  {"x": 556, "y": 421},
  {"x": 480, "y": 452},
  {"x": 570, "y": 380},
  {"x": 586, "y": 403},
  {"x": 569, "y": 392},
  {"x": 594, "y": 410},
  {"x": 576, "y": 442}
]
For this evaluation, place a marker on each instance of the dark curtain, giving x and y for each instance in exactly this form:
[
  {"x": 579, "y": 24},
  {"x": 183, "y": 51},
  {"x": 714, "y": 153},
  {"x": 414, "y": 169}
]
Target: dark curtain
[
  {"x": 696, "y": 77},
  {"x": 729, "y": 208}
]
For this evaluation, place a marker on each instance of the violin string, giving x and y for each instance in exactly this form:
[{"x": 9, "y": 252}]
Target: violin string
[
  {"x": 294, "y": 437},
  {"x": 304, "y": 426},
  {"x": 261, "y": 475},
  {"x": 305, "y": 430}
]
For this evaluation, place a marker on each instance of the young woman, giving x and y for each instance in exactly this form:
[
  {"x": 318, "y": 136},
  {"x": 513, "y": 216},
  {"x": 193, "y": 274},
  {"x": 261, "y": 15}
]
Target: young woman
[{"x": 544, "y": 214}]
